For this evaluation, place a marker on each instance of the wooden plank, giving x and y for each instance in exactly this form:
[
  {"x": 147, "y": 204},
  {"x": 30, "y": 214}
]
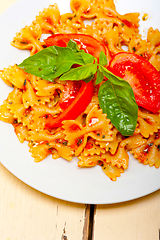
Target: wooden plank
[
  {"x": 28, "y": 214},
  {"x": 138, "y": 219},
  {"x": 5, "y": 4}
]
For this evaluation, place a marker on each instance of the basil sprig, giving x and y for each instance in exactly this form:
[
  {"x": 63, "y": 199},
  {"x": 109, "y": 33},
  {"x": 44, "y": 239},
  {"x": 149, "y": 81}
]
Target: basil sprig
[{"x": 116, "y": 97}]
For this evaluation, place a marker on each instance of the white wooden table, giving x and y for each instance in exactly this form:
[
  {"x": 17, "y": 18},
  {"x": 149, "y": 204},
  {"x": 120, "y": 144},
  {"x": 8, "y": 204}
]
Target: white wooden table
[{"x": 26, "y": 214}]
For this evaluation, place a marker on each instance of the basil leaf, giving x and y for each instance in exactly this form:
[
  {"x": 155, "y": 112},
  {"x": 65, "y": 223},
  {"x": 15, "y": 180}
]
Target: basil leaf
[
  {"x": 73, "y": 45},
  {"x": 102, "y": 59},
  {"x": 88, "y": 79},
  {"x": 100, "y": 76},
  {"x": 119, "y": 103},
  {"x": 87, "y": 58},
  {"x": 80, "y": 73},
  {"x": 51, "y": 62}
]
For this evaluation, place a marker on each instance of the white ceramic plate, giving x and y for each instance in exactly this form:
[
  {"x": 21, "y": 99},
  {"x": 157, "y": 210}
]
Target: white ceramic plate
[{"x": 59, "y": 178}]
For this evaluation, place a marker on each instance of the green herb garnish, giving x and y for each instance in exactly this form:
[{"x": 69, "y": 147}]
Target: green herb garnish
[{"x": 116, "y": 97}]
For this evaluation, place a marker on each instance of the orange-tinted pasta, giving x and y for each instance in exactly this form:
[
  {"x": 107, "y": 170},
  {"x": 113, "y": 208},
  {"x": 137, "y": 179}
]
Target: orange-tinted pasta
[{"x": 95, "y": 142}]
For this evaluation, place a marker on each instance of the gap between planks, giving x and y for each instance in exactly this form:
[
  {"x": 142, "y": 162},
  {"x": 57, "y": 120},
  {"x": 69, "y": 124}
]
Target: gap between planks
[{"x": 89, "y": 222}]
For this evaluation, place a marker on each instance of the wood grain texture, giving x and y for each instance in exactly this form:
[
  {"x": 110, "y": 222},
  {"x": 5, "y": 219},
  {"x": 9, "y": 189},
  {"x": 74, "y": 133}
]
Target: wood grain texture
[
  {"x": 135, "y": 220},
  {"x": 26, "y": 214}
]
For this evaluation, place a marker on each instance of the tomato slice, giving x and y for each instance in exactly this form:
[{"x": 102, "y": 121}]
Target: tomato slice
[
  {"x": 142, "y": 76},
  {"x": 87, "y": 43},
  {"x": 75, "y": 108},
  {"x": 71, "y": 90}
]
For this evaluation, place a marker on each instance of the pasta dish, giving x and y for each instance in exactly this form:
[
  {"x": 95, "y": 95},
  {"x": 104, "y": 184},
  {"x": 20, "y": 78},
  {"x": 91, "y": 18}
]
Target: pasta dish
[{"x": 87, "y": 90}]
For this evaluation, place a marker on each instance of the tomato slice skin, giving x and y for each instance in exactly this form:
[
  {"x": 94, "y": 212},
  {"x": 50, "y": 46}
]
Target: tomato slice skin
[
  {"x": 87, "y": 43},
  {"x": 77, "y": 106},
  {"x": 142, "y": 76}
]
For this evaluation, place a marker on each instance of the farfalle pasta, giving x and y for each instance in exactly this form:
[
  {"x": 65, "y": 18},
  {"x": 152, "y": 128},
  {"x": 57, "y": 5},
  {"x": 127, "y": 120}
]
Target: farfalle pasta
[{"x": 91, "y": 137}]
